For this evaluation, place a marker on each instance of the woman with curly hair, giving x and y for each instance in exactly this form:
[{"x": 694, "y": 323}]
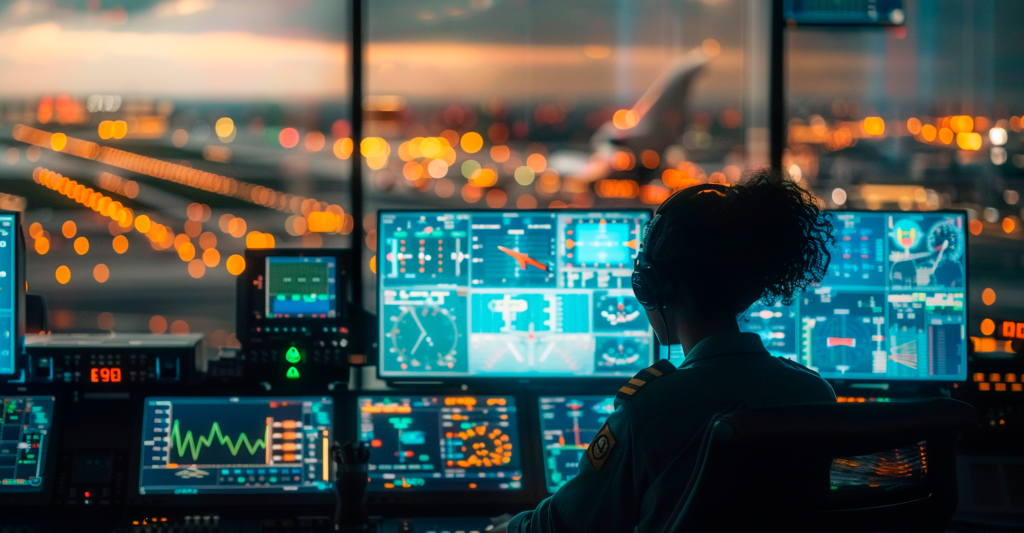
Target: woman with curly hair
[{"x": 710, "y": 252}]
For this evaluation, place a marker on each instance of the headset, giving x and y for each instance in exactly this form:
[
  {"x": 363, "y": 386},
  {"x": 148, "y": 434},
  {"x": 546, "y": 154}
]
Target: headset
[{"x": 651, "y": 290}]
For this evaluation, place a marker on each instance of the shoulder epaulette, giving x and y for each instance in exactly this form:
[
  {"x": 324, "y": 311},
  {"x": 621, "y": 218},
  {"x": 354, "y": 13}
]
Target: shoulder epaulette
[
  {"x": 642, "y": 378},
  {"x": 794, "y": 364}
]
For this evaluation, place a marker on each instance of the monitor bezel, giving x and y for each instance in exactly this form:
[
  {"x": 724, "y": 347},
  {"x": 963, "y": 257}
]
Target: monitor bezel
[
  {"x": 850, "y": 385},
  {"x": 211, "y": 500},
  {"x": 484, "y": 379},
  {"x": 18, "y": 322}
]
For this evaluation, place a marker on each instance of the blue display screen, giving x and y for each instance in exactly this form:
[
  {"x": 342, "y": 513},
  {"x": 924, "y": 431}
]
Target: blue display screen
[
  {"x": 498, "y": 294},
  {"x": 892, "y": 306},
  {"x": 301, "y": 287},
  {"x": 568, "y": 424},
  {"x": 221, "y": 445},
  {"x": 441, "y": 443},
  {"x": 8, "y": 293},
  {"x": 24, "y": 438}
]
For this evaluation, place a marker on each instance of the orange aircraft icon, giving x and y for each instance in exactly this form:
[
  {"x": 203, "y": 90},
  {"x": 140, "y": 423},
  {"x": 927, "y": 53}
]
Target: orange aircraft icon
[{"x": 524, "y": 259}]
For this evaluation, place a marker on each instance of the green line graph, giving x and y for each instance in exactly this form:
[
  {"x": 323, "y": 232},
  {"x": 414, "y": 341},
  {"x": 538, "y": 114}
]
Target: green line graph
[{"x": 194, "y": 447}]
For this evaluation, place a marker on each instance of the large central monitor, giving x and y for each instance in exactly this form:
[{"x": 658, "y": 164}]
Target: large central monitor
[
  {"x": 441, "y": 443},
  {"x": 510, "y": 293},
  {"x": 893, "y": 305},
  {"x": 226, "y": 445}
]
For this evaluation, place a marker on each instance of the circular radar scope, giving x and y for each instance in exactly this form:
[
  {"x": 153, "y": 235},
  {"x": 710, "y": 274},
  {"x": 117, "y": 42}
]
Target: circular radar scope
[
  {"x": 946, "y": 238},
  {"x": 618, "y": 310},
  {"x": 424, "y": 338},
  {"x": 619, "y": 353},
  {"x": 483, "y": 448}
]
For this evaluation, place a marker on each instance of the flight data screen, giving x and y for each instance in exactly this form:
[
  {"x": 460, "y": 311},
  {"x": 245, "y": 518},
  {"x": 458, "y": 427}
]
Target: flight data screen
[
  {"x": 24, "y": 435},
  {"x": 441, "y": 443},
  {"x": 301, "y": 287},
  {"x": 221, "y": 445},
  {"x": 568, "y": 424},
  {"x": 492, "y": 294},
  {"x": 8, "y": 293},
  {"x": 892, "y": 306}
]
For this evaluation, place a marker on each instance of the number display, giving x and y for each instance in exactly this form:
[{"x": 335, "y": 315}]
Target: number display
[{"x": 105, "y": 374}]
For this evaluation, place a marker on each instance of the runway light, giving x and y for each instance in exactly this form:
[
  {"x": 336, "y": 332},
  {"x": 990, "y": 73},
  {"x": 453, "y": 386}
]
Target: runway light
[
  {"x": 472, "y": 142},
  {"x": 997, "y": 136},
  {"x": 874, "y": 126},
  {"x": 63, "y": 275},
  {"x": 235, "y": 264}
]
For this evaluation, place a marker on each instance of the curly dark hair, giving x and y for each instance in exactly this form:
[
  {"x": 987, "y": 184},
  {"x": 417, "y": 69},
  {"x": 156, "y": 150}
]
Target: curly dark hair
[{"x": 763, "y": 239}]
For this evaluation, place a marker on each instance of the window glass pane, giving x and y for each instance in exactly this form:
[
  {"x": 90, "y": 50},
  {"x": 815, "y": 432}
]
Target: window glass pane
[
  {"x": 522, "y": 104},
  {"x": 192, "y": 129},
  {"x": 919, "y": 117}
]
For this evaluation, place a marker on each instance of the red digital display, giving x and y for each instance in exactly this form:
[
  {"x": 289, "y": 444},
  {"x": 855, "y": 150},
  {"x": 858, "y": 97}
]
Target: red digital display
[{"x": 105, "y": 374}]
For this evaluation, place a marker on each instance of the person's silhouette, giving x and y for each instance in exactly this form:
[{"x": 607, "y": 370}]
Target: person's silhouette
[{"x": 710, "y": 252}]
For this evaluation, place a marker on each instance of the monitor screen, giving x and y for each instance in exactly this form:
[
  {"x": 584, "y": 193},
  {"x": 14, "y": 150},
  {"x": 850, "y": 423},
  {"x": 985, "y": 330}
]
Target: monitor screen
[
  {"x": 567, "y": 426},
  {"x": 221, "y": 445},
  {"x": 441, "y": 443},
  {"x": 24, "y": 436},
  {"x": 8, "y": 292},
  {"x": 892, "y": 306},
  {"x": 499, "y": 294},
  {"x": 300, "y": 287}
]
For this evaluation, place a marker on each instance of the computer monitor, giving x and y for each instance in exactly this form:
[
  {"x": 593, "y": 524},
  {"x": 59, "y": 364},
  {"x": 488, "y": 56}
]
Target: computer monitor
[
  {"x": 568, "y": 424},
  {"x": 510, "y": 294},
  {"x": 441, "y": 443},
  {"x": 10, "y": 288},
  {"x": 24, "y": 438},
  {"x": 223, "y": 445},
  {"x": 893, "y": 305}
]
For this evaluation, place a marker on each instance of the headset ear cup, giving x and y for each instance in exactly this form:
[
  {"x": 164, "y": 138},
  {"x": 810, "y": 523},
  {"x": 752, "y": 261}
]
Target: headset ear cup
[{"x": 646, "y": 287}]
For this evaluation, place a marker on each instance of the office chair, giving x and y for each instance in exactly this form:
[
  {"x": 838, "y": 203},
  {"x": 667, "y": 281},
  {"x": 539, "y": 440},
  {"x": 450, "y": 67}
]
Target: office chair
[{"x": 827, "y": 467}]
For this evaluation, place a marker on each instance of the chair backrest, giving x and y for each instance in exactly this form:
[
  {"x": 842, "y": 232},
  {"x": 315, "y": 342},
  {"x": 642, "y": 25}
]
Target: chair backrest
[{"x": 827, "y": 467}]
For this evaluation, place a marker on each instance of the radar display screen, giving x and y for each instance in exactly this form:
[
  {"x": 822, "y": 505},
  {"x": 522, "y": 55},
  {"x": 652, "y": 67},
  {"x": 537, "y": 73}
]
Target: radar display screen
[
  {"x": 441, "y": 443},
  {"x": 301, "y": 287},
  {"x": 511, "y": 293},
  {"x": 220, "y": 445},
  {"x": 8, "y": 293},
  {"x": 892, "y": 306},
  {"x": 24, "y": 436},
  {"x": 567, "y": 425}
]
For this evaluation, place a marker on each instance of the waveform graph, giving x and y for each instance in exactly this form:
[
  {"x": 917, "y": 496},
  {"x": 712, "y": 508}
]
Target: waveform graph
[
  {"x": 513, "y": 251},
  {"x": 193, "y": 445},
  {"x": 843, "y": 333}
]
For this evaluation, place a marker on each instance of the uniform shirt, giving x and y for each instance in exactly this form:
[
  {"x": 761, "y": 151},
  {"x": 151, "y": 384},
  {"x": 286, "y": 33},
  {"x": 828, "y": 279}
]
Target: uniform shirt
[{"x": 657, "y": 434}]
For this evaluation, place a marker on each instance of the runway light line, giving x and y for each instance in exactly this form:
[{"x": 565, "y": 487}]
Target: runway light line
[{"x": 207, "y": 181}]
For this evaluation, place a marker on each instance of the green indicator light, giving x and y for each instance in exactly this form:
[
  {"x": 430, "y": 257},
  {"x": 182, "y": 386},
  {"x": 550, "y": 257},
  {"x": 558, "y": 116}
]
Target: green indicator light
[
  {"x": 293, "y": 356},
  {"x": 293, "y": 373}
]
